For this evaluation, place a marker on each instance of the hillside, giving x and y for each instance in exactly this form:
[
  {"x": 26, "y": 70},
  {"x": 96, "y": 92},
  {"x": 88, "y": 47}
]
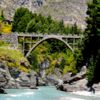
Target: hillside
[{"x": 70, "y": 11}]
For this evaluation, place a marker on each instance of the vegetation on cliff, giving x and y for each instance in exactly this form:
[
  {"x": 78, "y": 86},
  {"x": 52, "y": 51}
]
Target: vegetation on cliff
[{"x": 13, "y": 58}]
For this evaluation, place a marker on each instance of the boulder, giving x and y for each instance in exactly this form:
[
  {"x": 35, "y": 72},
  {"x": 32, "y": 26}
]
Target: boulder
[
  {"x": 24, "y": 79},
  {"x": 77, "y": 86},
  {"x": 41, "y": 82},
  {"x": 55, "y": 77},
  {"x": 77, "y": 82},
  {"x": 52, "y": 79},
  {"x": 96, "y": 86},
  {"x": 68, "y": 78},
  {"x": 2, "y": 91}
]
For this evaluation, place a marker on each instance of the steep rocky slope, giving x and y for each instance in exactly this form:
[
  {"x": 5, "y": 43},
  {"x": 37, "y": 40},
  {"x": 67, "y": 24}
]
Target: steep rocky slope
[{"x": 70, "y": 11}]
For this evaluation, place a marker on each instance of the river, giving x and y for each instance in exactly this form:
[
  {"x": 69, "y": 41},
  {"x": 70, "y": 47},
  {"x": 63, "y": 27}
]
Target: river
[{"x": 44, "y": 93}]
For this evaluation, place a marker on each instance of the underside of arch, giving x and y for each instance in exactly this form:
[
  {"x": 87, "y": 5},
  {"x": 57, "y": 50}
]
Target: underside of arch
[{"x": 44, "y": 39}]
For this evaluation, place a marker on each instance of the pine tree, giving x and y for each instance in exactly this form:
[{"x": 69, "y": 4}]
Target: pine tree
[
  {"x": 21, "y": 19},
  {"x": 92, "y": 39}
]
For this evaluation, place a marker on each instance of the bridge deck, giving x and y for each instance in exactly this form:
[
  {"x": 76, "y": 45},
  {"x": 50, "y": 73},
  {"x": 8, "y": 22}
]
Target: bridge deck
[{"x": 51, "y": 35}]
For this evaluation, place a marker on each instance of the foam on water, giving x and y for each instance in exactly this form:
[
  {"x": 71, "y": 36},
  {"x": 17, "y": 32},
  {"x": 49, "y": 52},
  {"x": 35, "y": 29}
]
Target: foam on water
[
  {"x": 70, "y": 98},
  {"x": 85, "y": 93},
  {"x": 21, "y": 94}
]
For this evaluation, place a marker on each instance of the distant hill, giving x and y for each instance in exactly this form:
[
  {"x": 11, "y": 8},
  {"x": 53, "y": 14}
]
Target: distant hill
[{"x": 71, "y": 11}]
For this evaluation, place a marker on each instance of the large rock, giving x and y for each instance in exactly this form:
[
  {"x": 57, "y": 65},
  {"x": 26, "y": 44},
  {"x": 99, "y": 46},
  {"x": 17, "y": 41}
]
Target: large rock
[
  {"x": 24, "y": 79},
  {"x": 52, "y": 79},
  {"x": 77, "y": 82},
  {"x": 41, "y": 82},
  {"x": 69, "y": 78},
  {"x": 96, "y": 86},
  {"x": 76, "y": 86},
  {"x": 32, "y": 76},
  {"x": 6, "y": 80}
]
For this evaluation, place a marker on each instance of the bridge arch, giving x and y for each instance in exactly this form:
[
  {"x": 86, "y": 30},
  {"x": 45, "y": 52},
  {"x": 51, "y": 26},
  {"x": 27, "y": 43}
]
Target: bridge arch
[{"x": 46, "y": 38}]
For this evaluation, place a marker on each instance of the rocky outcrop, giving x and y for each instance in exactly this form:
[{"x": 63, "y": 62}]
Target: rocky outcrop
[
  {"x": 77, "y": 82},
  {"x": 6, "y": 80},
  {"x": 70, "y": 11},
  {"x": 9, "y": 80}
]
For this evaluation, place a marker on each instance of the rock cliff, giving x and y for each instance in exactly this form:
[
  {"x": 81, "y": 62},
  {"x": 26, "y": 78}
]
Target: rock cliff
[{"x": 71, "y": 11}]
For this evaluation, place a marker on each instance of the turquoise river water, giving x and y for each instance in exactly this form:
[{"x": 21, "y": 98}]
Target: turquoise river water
[{"x": 43, "y": 93}]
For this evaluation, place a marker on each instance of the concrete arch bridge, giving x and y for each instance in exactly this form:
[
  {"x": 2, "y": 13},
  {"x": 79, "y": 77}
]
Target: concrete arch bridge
[{"x": 33, "y": 40}]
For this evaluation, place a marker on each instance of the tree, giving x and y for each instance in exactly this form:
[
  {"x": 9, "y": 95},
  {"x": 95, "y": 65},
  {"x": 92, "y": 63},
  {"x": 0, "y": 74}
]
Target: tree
[
  {"x": 91, "y": 48},
  {"x": 30, "y": 26},
  {"x": 21, "y": 19},
  {"x": 75, "y": 29},
  {"x": 61, "y": 26}
]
